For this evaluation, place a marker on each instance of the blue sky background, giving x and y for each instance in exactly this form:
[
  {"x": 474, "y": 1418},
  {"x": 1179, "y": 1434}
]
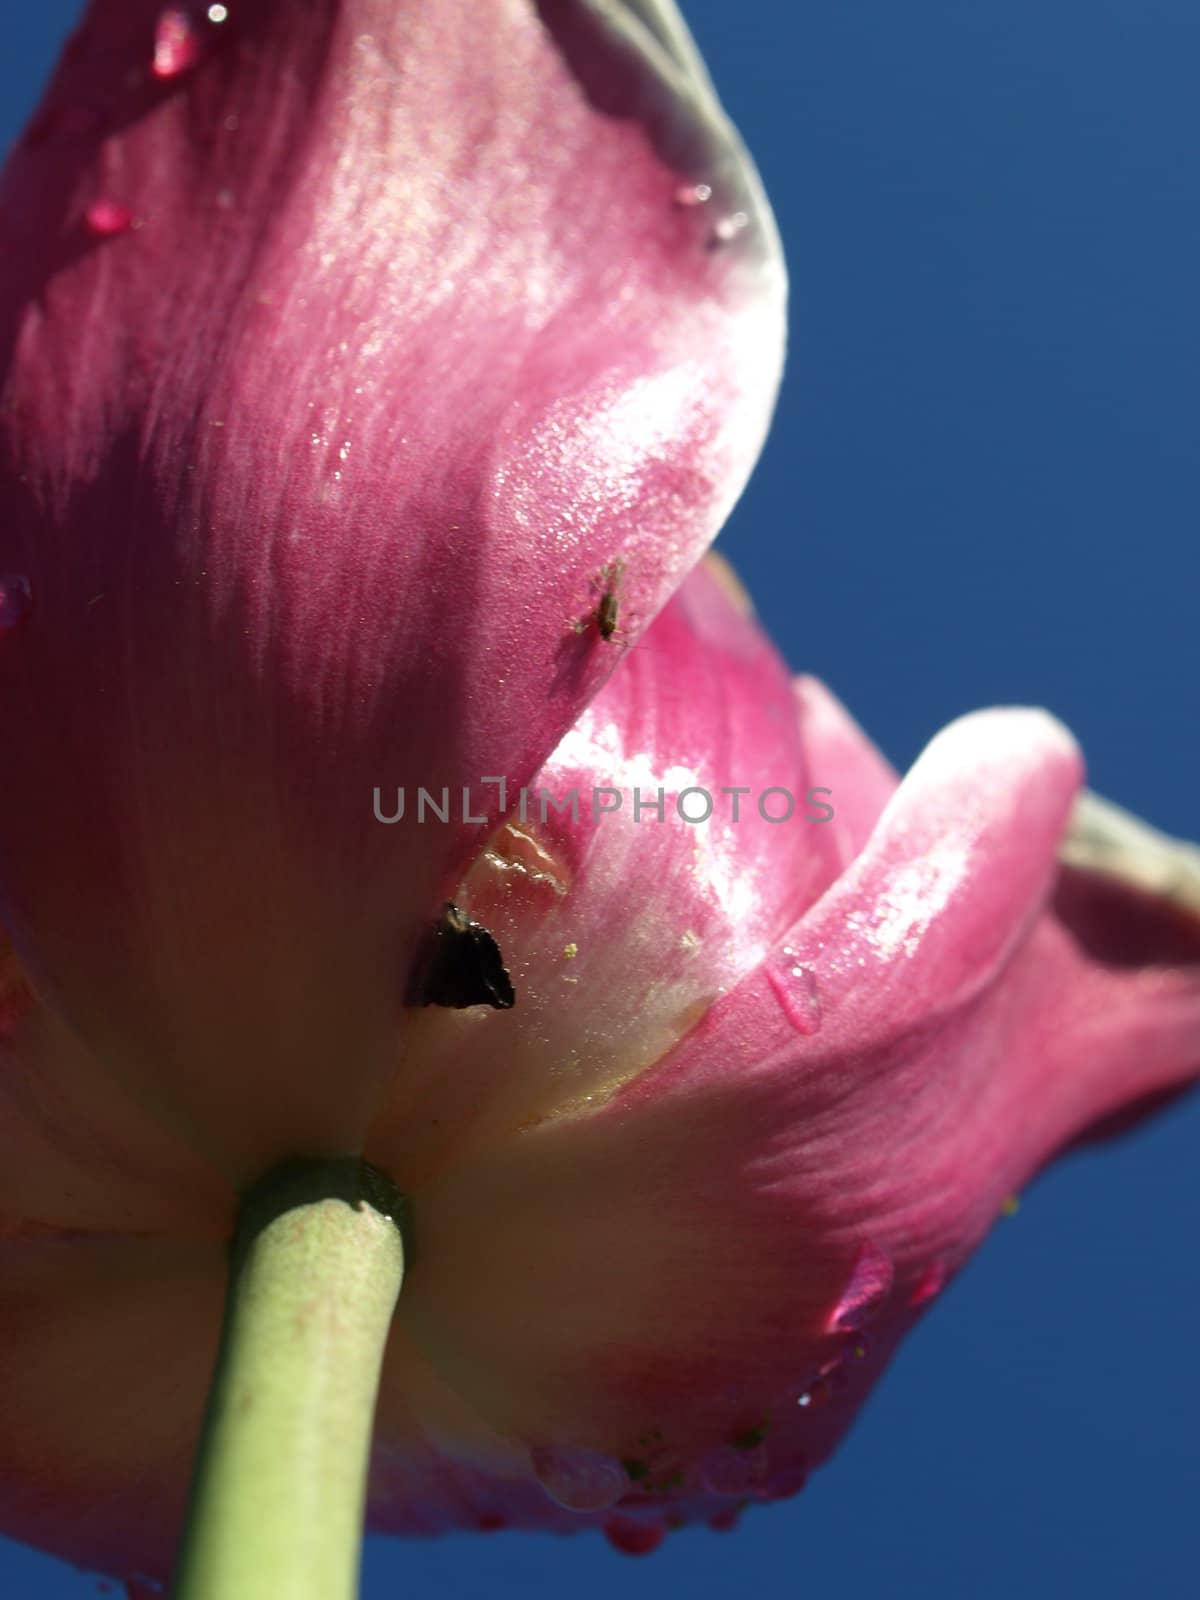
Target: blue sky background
[{"x": 983, "y": 487}]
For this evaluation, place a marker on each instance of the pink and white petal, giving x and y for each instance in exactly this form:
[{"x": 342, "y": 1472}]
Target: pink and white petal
[
  {"x": 698, "y": 1233},
  {"x": 881, "y": 1018},
  {"x": 953, "y": 877},
  {"x": 619, "y": 933},
  {"x": 310, "y": 471},
  {"x": 1078, "y": 1039}
]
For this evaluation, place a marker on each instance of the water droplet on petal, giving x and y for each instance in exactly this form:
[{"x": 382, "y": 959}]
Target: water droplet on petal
[
  {"x": 633, "y": 1538},
  {"x": 817, "y": 1394},
  {"x": 105, "y": 218},
  {"x": 730, "y": 227},
  {"x": 930, "y": 1284},
  {"x": 869, "y": 1286},
  {"x": 176, "y": 46},
  {"x": 579, "y": 1480},
  {"x": 733, "y": 1472},
  {"x": 217, "y": 13},
  {"x": 693, "y": 194},
  {"x": 16, "y": 601},
  {"x": 796, "y": 990}
]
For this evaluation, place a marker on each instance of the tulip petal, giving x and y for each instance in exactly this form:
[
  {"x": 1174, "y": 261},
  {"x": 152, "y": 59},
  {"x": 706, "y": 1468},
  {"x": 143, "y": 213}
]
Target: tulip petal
[
  {"x": 951, "y": 878},
  {"x": 620, "y": 927},
  {"x": 954, "y": 873},
  {"x": 351, "y": 347}
]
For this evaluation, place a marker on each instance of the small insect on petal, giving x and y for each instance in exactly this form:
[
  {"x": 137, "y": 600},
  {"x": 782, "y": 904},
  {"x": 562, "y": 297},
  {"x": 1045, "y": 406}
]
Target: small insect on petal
[
  {"x": 607, "y": 583},
  {"x": 460, "y": 965},
  {"x": 606, "y": 615}
]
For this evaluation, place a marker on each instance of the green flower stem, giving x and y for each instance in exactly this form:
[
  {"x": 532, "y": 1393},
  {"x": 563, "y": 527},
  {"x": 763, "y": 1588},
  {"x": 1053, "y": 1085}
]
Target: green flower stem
[{"x": 279, "y": 1484}]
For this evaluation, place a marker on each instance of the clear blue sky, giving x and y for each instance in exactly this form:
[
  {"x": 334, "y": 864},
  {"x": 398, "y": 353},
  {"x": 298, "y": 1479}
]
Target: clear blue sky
[{"x": 983, "y": 487}]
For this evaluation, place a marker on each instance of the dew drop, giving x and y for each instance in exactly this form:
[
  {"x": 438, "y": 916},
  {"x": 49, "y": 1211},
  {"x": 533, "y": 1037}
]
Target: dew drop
[
  {"x": 633, "y": 1538},
  {"x": 217, "y": 13},
  {"x": 16, "y": 601},
  {"x": 796, "y": 990},
  {"x": 869, "y": 1286},
  {"x": 579, "y": 1480},
  {"x": 733, "y": 1472},
  {"x": 105, "y": 218},
  {"x": 693, "y": 194},
  {"x": 728, "y": 228},
  {"x": 930, "y": 1284},
  {"x": 817, "y": 1394},
  {"x": 176, "y": 46}
]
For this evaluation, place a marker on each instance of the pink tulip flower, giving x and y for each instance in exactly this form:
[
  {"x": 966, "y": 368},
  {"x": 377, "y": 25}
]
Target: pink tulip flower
[
  {"x": 765, "y": 1087},
  {"x": 373, "y": 381}
]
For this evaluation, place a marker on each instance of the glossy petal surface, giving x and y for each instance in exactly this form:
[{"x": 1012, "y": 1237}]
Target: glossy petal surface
[{"x": 347, "y": 346}]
